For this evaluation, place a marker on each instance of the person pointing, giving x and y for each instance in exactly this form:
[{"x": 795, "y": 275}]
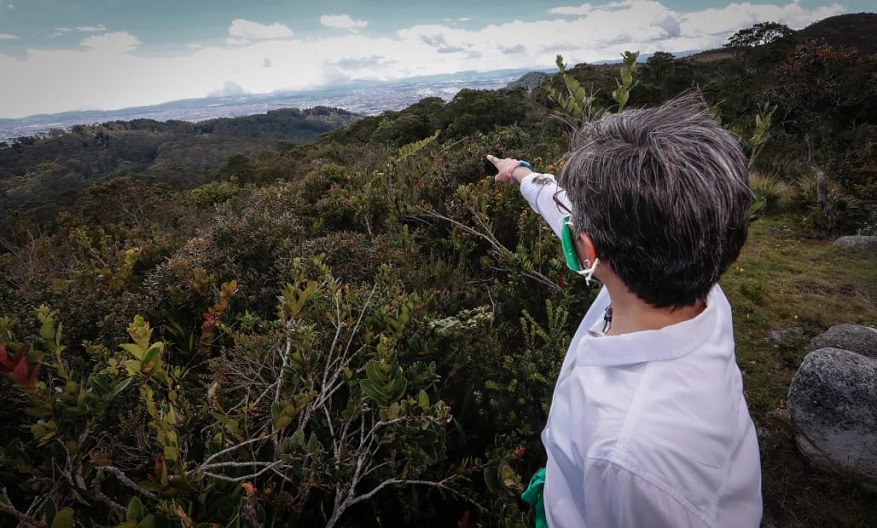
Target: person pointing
[{"x": 648, "y": 423}]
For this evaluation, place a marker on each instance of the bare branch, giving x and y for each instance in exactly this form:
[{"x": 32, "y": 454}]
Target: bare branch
[
  {"x": 497, "y": 248},
  {"x": 111, "y": 504},
  {"x": 226, "y": 451},
  {"x": 120, "y": 475},
  {"x": 242, "y": 478},
  {"x": 27, "y": 519},
  {"x": 441, "y": 484},
  {"x": 254, "y": 463}
]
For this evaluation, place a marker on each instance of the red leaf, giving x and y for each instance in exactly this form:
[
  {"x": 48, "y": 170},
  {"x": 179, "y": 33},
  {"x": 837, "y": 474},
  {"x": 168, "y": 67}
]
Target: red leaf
[
  {"x": 17, "y": 368},
  {"x": 5, "y": 360},
  {"x": 19, "y": 376}
]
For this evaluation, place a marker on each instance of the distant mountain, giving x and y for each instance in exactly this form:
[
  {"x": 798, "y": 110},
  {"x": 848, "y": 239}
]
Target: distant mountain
[{"x": 362, "y": 97}]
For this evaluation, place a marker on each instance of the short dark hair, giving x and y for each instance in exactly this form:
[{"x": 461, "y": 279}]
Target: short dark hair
[{"x": 664, "y": 195}]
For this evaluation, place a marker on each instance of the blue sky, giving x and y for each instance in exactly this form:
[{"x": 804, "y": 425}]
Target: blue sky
[{"x": 60, "y": 55}]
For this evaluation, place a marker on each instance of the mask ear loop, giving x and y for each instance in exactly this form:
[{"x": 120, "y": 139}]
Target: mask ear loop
[
  {"x": 588, "y": 273},
  {"x": 572, "y": 259}
]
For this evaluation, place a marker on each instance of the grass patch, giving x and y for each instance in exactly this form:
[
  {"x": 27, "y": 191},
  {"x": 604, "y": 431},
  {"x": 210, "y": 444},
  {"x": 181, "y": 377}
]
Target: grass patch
[
  {"x": 777, "y": 195},
  {"x": 795, "y": 287}
]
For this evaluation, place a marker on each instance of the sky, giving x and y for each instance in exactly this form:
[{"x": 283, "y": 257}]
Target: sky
[{"x": 66, "y": 55}]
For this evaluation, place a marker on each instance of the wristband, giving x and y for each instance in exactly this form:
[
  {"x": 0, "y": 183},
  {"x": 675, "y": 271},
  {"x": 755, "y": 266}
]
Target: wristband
[{"x": 515, "y": 166}]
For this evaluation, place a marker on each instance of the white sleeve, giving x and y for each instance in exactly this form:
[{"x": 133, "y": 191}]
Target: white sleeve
[
  {"x": 615, "y": 497},
  {"x": 539, "y": 190}
]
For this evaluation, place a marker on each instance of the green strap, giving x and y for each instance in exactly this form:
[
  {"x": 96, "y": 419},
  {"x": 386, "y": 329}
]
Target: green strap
[{"x": 533, "y": 496}]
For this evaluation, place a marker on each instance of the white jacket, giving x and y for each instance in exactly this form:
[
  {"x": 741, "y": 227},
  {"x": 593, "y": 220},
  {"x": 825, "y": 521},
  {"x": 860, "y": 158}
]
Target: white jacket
[{"x": 649, "y": 428}]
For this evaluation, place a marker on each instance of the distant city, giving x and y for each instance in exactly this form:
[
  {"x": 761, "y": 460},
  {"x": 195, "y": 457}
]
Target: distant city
[{"x": 362, "y": 98}]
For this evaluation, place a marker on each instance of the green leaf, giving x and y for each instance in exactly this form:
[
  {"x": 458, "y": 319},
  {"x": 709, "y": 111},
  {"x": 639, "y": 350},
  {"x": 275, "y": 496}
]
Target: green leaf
[
  {"x": 171, "y": 453},
  {"x": 132, "y": 366},
  {"x": 147, "y": 522},
  {"x": 50, "y": 511},
  {"x": 47, "y": 332},
  {"x": 39, "y": 412},
  {"x": 282, "y": 422},
  {"x": 298, "y": 438},
  {"x": 399, "y": 386},
  {"x": 151, "y": 360},
  {"x": 372, "y": 392},
  {"x": 134, "y": 349},
  {"x": 314, "y": 446},
  {"x": 64, "y": 518},
  {"x": 373, "y": 372},
  {"x": 300, "y": 401},
  {"x": 423, "y": 399},
  {"x": 122, "y": 385},
  {"x": 73, "y": 412},
  {"x": 621, "y": 95},
  {"x": 136, "y": 511}
]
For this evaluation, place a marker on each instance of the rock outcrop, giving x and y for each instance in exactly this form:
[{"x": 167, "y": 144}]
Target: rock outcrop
[
  {"x": 833, "y": 404},
  {"x": 862, "y": 243},
  {"x": 529, "y": 81}
]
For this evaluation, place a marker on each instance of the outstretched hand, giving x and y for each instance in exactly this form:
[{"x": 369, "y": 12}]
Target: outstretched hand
[{"x": 503, "y": 165}]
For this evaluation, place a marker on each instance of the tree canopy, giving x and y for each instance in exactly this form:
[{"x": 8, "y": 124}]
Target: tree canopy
[{"x": 759, "y": 35}]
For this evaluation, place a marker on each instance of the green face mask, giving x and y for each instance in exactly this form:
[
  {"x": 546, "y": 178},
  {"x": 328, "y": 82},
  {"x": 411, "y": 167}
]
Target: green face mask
[
  {"x": 569, "y": 248},
  {"x": 569, "y": 252}
]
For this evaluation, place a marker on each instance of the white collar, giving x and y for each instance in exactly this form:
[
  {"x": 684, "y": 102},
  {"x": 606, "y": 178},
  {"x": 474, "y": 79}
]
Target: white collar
[{"x": 670, "y": 342}]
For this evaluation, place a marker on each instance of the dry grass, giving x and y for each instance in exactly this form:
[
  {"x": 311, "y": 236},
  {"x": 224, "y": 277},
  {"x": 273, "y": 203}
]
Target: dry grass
[
  {"x": 777, "y": 193},
  {"x": 784, "y": 281}
]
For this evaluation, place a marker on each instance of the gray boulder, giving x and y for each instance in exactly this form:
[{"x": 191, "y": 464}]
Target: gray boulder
[
  {"x": 833, "y": 405},
  {"x": 861, "y": 243},
  {"x": 855, "y": 338}
]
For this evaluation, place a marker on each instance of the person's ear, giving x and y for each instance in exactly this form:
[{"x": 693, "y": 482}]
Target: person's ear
[{"x": 587, "y": 251}]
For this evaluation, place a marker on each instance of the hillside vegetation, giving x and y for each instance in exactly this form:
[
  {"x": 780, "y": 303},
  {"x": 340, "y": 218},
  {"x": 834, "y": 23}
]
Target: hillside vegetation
[
  {"x": 199, "y": 326},
  {"x": 41, "y": 175}
]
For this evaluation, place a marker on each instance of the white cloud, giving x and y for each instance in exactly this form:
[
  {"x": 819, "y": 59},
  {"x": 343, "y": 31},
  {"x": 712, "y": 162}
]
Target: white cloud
[
  {"x": 243, "y": 31},
  {"x": 7, "y": 36},
  {"x": 115, "y": 42},
  {"x": 265, "y": 59},
  {"x": 229, "y": 89},
  {"x": 727, "y": 20},
  {"x": 342, "y": 21},
  {"x": 11, "y": 7},
  {"x": 92, "y": 29},
  {"x": 583, "y": 9},
  {"x": 454, "y": 21}
]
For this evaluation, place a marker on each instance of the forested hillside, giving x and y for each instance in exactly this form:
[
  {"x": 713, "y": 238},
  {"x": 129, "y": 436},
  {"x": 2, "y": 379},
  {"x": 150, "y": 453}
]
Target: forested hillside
[
  {"x": 41, "y": 175},
  {"x": 200, "y": 327}
]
